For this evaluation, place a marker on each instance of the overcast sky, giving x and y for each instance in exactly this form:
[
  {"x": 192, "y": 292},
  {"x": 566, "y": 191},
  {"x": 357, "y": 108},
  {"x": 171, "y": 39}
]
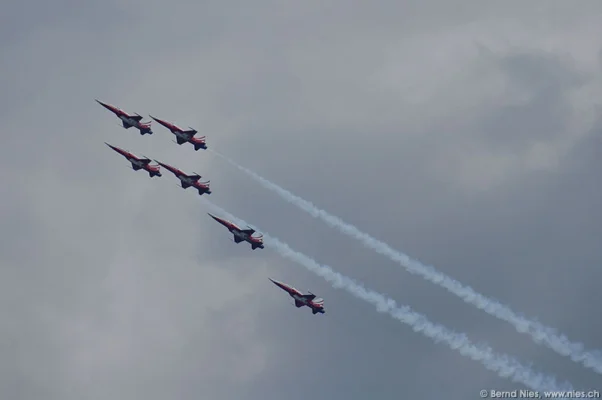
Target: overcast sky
[{"x": 467, "y": 135}]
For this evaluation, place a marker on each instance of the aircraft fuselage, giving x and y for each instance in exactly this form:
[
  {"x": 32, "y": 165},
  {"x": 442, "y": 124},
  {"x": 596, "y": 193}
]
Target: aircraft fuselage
[{"x": 308, "y": 303}]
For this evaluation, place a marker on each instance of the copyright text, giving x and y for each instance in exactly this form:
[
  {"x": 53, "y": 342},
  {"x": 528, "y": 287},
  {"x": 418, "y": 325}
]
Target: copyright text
[{"x": 532, "y": 394}]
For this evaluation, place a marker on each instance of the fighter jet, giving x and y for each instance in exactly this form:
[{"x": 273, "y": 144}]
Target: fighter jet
[
  {"x": 129, "y": 120},
  {"x": 188, "y": 180},
  {"x": 309, "y": 300},
  {"x": 138, "y": 163},
  {"x": 241, "y": 235},
  {"x": 183, "y": 136}
]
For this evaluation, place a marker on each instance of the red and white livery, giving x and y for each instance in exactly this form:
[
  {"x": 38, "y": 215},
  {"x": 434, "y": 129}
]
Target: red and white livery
[
  {"x": 129, "y": 120},
  {"x": 184, "y": 136},
  {"x": 138, "y": 163},
  {"x": 241, "y": 235},
  {"x": 187, "y": 181},
  {"x": 309, "y": 300}
]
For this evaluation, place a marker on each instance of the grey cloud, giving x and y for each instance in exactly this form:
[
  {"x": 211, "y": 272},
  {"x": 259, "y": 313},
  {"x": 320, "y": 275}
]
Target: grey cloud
[{"x": 116, "y": 285}]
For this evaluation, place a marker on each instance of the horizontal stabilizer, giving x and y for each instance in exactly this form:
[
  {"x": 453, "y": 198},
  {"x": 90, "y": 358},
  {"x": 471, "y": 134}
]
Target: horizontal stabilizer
[{"x": 198, "y": 146}]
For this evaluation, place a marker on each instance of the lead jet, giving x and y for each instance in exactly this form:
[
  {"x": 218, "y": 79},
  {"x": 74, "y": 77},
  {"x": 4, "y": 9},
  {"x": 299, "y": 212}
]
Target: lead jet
[
  {"x": 129, "y": 120},
  {"x": 309, "y": 300},
  {"x": 138, "y": 163},
  {"x": 241, "y": 235},
  {"x": 183, "y": 136},
  {"x": 188, "y": 180}
]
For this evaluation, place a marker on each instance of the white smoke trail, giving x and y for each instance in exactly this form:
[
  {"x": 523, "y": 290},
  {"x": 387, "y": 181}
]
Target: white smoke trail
[
  {"x": 505, "y": 366},
  {"x": 540, "y": 333}
]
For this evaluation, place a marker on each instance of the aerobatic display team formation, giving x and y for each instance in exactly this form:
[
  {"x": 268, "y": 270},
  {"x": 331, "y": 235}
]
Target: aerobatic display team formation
[
  {"x": 186, "y": 181},
  {"x": 541, "y": 384}
]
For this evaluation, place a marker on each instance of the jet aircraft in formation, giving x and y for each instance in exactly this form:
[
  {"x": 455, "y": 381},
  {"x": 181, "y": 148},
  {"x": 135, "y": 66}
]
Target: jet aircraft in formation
[
  {"x": 129, "y": 120},
  {"x": 182, "y": 136},
  {"x": 241, "y": 235},
  {"x": 309, "y": 300},
  {"x": 187, "y": 181},
  {"x": 138, "y": 163}
]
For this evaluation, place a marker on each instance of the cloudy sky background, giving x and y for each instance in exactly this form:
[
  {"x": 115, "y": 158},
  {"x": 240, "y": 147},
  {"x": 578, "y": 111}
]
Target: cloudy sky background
[{"x": 466, "y": 135}]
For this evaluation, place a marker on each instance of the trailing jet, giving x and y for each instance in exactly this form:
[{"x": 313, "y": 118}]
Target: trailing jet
[
  {"x": 183, "y": 136},
  {"x": 188, "y": 180},
  {"x": 129, "y": 120},
  {"x": 309, "y": 300},
  {"x": 241, "y": 235},
  {"x": 138, "y": 163}
]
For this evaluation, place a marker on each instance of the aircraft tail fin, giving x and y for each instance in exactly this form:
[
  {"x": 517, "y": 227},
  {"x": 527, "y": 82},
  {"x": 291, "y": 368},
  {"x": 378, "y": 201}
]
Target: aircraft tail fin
[
  {"x": 198, "y": 146},
  {"x": 145, "y": 129}
]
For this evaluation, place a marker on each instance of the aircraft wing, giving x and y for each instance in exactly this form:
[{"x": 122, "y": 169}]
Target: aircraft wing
[
  {"x": 180, "y": 140},
  {"x": 145, "y": 161},
  {"x": 299, "y": 303},
  {"x": 136, "y": 117},
  {"x": 184, "y": 184},
  {"x": 310, "y": 296},
  {"x": 237, "y": 239},
  {"x": 135, "y": 167},
  {"x": 248, "y": 231}
]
